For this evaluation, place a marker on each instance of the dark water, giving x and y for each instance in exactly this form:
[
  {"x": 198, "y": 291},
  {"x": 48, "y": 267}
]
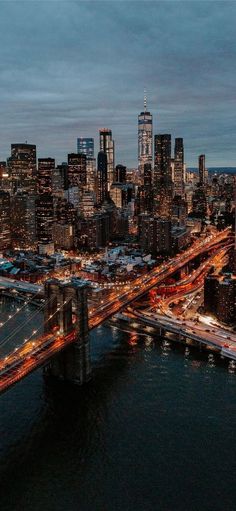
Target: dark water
[{"x": 154, "y": 430}]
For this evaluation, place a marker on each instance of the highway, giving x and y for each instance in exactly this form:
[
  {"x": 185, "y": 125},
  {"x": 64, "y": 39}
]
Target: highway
[
  {"x": 201, "y": 331},
  {"x": 143, "y": 284},
  {"x": 215, "y": 337}
]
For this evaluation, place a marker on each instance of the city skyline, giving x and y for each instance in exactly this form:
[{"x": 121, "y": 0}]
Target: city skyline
[
  {"x": 69, "y": 83},
  {"x": 117, "y": 255}
]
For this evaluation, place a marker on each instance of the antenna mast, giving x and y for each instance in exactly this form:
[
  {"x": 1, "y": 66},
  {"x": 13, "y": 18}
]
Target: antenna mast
[{"x": 145, "y": 100}]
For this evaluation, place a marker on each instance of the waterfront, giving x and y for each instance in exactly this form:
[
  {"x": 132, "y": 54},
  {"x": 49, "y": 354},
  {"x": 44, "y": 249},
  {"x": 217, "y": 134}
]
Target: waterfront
[{"x": 154, "y": 429}]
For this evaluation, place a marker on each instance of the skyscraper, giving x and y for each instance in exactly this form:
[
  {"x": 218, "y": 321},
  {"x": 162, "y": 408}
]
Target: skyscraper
[
  {"x": 44, "y": 206},
  {"x": 44, "y": 218},
  {"x": 179, "y": 167},
  {"x": 102, "y": 176},
  {"x": 5, "y": 234},
  {"x": 85, "y": 146},
  {"x": 46, "y": 167},
  {"x": 203, "y": 174},
  {"x": 162, "y": 182},
  {"x": 120, "y": 174},
  {"x": 23, "y": 225},
  {"x": 107, "y": 145},
  {"x": 22, "y": 165},
  {"x": 76, "y": 169},
  {"x": 144, "y": 138}
]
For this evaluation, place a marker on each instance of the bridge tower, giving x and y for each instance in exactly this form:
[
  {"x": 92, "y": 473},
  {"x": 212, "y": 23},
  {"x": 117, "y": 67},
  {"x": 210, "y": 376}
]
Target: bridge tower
[{"x": 66, "y": 311}]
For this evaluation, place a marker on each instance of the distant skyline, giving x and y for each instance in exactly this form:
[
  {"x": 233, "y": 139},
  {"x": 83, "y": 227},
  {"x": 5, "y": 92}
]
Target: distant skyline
[{"x": 69, "y": 68}]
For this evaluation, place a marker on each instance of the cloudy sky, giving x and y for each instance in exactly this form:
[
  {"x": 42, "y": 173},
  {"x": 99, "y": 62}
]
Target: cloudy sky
[{"x": 68, "y": 68}]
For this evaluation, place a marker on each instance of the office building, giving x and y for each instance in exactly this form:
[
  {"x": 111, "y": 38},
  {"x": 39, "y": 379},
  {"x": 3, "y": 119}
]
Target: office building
[
  {"x": 107, "y": 146},
  {"x": 5, "y": 234},
  {"x": 120, "y": 174},
  {"x": 46, "y": 169},
  {"x": 102, "y": 177},
  {"x": 23, "y": 220},
  {"x": 179, "y": 168},
  {"x": 199, "y": 202},
  {"x": 85, "y": 146},
  {"x": 93, "y": 232},
  {"x": 65, "y": 212},
  {"x": 162, "y": 179},
  {"x": 44, "y": 218},
  {"x": 87, "y": 203},
  {"x": 203, "y": 173},
  {"x": 179, "y": 211},
  {"x": 145, "y": 144},
  {"x": 63, "y": 173},
  {"x": 63, "y": 236},
  {"x": 91, "y": 174},
  {"x": 155, "y": 235},
  {"x": 22, "y": 166},
  {"x": 76, "y": 170}
]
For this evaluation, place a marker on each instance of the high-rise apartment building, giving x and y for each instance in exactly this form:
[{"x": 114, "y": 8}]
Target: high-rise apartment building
[
  {"x": 107, "y": 145},
  {"x": 145, "y": 144},
  {"x": 85, "y": 146},
  {"x": 179, "y": 167},
  {"x": 162, "y": 182}
]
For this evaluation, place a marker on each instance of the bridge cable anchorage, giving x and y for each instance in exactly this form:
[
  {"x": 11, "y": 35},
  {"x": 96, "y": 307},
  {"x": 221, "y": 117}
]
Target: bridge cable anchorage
[
  {"x": 11, "y": 316},
  {"x": 22, "y": 325}
]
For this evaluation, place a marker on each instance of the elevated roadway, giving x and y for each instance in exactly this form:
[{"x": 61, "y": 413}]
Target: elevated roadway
[{"x": 38, "y": 351}]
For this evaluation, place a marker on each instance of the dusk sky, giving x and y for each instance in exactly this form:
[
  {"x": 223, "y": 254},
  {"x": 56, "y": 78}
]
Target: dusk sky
[{"x": 69, "y": 68}]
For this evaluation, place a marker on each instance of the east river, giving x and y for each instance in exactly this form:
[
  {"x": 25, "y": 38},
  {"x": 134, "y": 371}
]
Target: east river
[{"x": 154, "y": 430}]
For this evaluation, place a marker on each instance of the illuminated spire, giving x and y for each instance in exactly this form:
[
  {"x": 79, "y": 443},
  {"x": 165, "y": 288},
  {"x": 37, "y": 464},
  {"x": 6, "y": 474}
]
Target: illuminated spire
[{"x": 145, "y": 100}]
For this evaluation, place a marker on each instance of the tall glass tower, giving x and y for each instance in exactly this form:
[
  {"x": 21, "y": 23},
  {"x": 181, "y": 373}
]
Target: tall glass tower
[
  {"x": 85, "y": 146},
  {"x": 179, "y": 167},
  {"x": 144, "y": 137},
  {"x": 162, "y": 179},
  {"x": 107, "y": 146}
]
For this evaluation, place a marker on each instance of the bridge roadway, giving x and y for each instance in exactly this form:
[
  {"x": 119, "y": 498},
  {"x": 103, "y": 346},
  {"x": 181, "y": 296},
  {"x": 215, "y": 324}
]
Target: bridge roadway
[
  {"x": 37, "y": 352},
  {"x": 218, "y": 338},
  {"x": 29, "y": 357},
  {"x": 20, "y": 285}
]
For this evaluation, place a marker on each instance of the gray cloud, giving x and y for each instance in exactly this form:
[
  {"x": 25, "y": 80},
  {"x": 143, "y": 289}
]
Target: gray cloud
[{"x": 69, "y": 68}]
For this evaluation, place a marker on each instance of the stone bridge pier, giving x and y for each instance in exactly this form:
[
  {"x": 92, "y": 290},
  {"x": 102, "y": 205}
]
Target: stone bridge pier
[{"x": 66, "y": 311}]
